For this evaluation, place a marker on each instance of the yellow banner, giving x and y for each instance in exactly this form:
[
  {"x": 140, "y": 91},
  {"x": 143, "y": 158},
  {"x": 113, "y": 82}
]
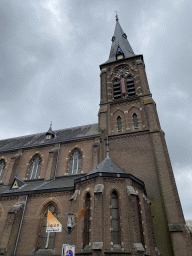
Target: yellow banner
[
  {"x": 78, "y": 215},
  {"x": 53, "y": 225}
]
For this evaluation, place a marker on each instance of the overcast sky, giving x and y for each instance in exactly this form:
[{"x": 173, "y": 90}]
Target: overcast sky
[{"x": 50, "y": 52}]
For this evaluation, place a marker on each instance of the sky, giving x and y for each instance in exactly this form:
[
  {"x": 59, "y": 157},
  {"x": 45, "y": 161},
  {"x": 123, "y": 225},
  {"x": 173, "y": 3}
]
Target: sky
[{"x": 50, "y": 52}]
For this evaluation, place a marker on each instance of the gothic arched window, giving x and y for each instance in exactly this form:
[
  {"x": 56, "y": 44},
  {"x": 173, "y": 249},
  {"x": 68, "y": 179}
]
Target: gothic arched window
[
  {"x": 119, "y": 124},
  {"x": 115, "y": 219},
  {"x": 34, "y": 168},
  {"x": 2, "y": 167},
  {"x": 116, "y": 89},
  {"x": 75, "y": 162},
  {"x": 135, "y": 120},
  {"x": 46, "y": 240},
  {"x": 87, "y": 226},
  {"x": 130, "y": 86},
  {"x": 140, "y": 226}
]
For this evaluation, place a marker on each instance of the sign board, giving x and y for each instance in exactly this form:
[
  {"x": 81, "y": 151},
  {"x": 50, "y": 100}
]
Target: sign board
[
  {"x": 68, "y": 250},
  {"x": 53, "y": 225}
]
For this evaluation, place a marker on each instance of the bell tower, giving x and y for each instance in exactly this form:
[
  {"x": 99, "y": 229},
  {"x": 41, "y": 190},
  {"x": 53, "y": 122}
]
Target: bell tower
[
  {"x": 128, "y": 119},
  {"x": 125, "y": 92}
]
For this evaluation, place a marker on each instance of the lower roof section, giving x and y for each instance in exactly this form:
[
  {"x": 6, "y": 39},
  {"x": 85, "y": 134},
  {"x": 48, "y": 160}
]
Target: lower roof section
[{"x": 61, "y": 184}]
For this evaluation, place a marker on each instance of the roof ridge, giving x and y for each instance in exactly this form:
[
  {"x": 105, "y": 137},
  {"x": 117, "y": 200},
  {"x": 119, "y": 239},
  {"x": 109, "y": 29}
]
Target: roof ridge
[{"x": 25, "y": 136}]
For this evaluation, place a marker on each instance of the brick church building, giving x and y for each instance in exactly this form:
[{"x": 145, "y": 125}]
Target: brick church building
[{"x": 119, "y": 168}]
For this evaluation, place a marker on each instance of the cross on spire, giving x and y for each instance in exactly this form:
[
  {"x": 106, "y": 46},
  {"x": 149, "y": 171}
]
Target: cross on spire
[{"x": 116, "y": 16}]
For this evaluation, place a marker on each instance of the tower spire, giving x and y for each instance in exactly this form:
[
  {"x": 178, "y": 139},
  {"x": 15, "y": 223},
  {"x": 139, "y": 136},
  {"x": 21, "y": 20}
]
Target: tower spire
[{"x": 119, "y": 41}]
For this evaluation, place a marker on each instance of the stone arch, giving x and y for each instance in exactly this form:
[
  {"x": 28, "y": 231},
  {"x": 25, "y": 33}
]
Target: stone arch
[
  {"x": 41, "y": 242},
  {"x": 51, "y": 200},
  {"x": 117, "y": 189},
  {"x": 87, "y": 190}
]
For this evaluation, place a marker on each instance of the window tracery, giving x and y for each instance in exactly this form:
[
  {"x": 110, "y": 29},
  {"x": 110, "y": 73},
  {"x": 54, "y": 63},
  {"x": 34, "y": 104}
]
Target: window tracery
[
  {"x": 35, "y": 167},
  {"x": 75, "y": 162}
]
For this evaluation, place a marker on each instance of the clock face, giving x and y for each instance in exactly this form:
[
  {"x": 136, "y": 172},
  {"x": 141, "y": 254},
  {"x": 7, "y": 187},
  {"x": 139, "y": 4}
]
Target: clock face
[{"x": 121, "y": 71}]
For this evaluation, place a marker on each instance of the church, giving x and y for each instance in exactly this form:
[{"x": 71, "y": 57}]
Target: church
[{"x": 119, "y": 168}]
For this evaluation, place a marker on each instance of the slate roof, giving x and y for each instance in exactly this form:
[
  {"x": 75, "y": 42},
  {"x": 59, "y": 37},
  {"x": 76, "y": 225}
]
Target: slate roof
[
  {"x": 122, "y": 42},
  {"x": 70, "y": 134},
  {"x": 107, "y": 166},
  {"x": 39, "y": 186}
]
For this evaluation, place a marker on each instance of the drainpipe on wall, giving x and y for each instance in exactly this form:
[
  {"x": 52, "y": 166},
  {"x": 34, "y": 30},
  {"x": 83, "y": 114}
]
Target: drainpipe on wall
[
  {"x": 57, "y": 162},
  {"x": 18, "y": 235}
]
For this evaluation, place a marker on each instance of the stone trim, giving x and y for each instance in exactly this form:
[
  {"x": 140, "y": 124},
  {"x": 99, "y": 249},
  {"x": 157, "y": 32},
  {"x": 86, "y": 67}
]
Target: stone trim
[
  {"x": 131, "y": 191},
  {"x": 99, "y": 188},
  {"x": 97, "y": 246}
]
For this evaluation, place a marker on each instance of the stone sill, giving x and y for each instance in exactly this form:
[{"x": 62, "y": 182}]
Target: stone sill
[{"x": 117, "y": 252}]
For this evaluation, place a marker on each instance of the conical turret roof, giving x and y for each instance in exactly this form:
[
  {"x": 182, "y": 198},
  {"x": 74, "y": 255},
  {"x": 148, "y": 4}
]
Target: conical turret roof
[
  {"x": 107, "y": 165},
  {"x": 119, "y": 42}
]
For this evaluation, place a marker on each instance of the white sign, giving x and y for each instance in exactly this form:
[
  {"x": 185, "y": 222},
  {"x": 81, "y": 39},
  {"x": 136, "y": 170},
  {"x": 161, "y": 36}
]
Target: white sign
[{"x": 68, "y": 250}]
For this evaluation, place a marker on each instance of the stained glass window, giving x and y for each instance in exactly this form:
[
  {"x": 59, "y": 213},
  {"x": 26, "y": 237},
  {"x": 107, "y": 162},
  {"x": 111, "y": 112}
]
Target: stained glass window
[
  {"x": 75, "y": 162},
  {"x": 115, "y": 219},
  {"x": 35, "y": 167}
]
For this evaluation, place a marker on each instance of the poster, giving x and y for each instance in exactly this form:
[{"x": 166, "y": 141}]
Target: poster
[{"x": 53, "y": 225}]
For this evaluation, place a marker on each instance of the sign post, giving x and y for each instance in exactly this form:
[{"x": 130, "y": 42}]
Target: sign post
[{"x": 68, "y": 250}]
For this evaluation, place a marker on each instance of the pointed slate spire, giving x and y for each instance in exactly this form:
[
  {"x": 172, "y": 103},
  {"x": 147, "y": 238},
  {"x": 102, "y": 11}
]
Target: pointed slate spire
[{"x": 119, "y": 44}]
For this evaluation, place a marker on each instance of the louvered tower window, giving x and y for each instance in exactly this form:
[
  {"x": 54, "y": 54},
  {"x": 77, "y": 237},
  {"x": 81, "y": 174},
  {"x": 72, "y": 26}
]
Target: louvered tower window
[
  {"x": 35, "y": 167},
  {"x": 2, "y": 167},
  {"x": 46, "y": 241},
  {"x": 75, "y": 162},
  {"x": 135, "y": 120},
  {"x": 119, "y": 124},
  {"x": 130, "y": 86},
  {"x": 115, "y": 219},
  {"x": 116, "y": 89},
  {"x": 87, "y": 226}
]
